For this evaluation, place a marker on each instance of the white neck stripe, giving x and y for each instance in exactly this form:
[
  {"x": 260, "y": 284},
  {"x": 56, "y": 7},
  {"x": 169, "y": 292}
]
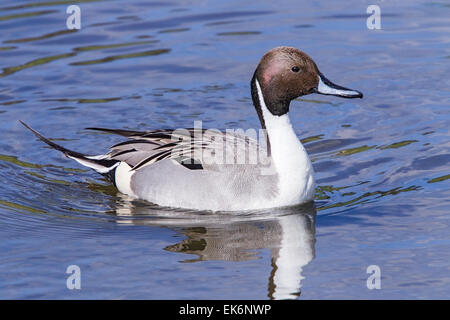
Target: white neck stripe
[{"x": 294, "y": 169}]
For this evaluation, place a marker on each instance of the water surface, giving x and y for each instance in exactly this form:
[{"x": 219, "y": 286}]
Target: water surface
[{"x": 382, "y": 163}]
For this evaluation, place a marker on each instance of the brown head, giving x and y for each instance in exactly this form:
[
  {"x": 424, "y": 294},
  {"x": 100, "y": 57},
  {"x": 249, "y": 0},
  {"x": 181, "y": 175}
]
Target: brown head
[{"x": 285, "y": 73}]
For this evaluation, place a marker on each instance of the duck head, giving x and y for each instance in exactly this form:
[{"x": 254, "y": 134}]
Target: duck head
[{"x": 286, "y": 73}]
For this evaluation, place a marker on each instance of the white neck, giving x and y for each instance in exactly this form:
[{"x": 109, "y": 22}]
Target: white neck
[{"x": 295, "y": 172}]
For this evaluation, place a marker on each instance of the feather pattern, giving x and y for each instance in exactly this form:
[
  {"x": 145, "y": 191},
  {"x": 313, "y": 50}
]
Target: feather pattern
[{"x": 208, "y": 148}]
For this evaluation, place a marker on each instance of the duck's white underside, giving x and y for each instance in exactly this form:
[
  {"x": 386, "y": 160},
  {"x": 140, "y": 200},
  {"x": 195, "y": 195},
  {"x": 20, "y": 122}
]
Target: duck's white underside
[{"x": 167, "y": 183}]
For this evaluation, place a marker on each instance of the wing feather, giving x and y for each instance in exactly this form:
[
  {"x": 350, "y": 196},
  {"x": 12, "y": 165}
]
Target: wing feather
[{"x": 186, "y": 146}]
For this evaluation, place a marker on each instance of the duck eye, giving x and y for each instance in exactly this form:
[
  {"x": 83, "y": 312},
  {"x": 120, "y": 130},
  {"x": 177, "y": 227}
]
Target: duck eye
[{"x": 295, "y": 69}]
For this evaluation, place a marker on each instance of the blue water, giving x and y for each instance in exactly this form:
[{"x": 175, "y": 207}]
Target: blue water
[{"x": 382, "y": 163}]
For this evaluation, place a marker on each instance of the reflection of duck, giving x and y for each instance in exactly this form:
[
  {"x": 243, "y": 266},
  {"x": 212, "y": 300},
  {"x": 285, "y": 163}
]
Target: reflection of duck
[
  {"x": 213, "y": 170},
  {"x": 289, "y": 234}
]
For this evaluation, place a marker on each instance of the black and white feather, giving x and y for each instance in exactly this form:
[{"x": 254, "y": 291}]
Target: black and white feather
[{"x": 191, "y": 148}]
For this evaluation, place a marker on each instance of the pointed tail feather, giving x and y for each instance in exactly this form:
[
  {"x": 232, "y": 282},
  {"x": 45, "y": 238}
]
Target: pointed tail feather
[
  {"x": 125, "y": 133},
  {"x": 99, "y": 164}
]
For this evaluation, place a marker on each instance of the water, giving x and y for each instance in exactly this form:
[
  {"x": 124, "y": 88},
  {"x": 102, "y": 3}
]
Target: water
[{"x": 381, "y": 162}]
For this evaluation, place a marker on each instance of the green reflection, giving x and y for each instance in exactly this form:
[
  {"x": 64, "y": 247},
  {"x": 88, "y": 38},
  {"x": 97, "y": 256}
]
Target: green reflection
[
  {"x": 439, "y": 179},
  {"x": 40, "y": 176},
  {"x": 14, "y": 160},
  {"x": 45, "y": 36},
  {"x": 335, "y": 104},
  {"x": 21, "y": 207},
  {"x": 238, "y": 33},
  {"x": 23, "y": 164},
  {"x": 398, "y": 144},
  {"x": 122, "y": 56},
  {"x": 46, "y": 3},
  {"x": 112, "y": 46},
  {"x": 83, "y": 100},
  {"x": 347, "y": 152},
  {"x": 107, "y": 189},
  {"x": 366, "y": 197},
  {"x": 7, "y": 48},
  {"x": 8, "y": 103},
  {"x": 322, "y": 191},
  {"x": 174, "y": 30},
  {"x": 10, "y": 70},
  {"x": 26, "y": 14},
  {"x": 312, "y": 138}
]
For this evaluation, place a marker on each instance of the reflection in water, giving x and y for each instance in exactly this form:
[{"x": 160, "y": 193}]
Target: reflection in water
[
  {"x": 289, "y": 234},
  {"x": 122, "y": 56},
  {"x": 42, "y": 37},
  {"x": 10, "y": 70}
]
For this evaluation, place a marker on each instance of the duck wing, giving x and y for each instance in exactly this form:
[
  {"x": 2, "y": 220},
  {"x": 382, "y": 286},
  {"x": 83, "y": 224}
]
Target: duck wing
[{"x": 193, "y": 148}]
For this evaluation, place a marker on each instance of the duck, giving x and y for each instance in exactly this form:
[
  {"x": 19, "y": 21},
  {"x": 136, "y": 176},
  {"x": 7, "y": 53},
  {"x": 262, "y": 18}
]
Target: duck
[{"x": 207, "y": 169}]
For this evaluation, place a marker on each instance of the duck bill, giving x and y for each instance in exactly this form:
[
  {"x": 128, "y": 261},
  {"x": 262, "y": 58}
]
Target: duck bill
[{"x": 327, "y": 87}]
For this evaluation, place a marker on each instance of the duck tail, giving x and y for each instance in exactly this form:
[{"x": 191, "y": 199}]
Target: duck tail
[{"x": 99, "y": 163}]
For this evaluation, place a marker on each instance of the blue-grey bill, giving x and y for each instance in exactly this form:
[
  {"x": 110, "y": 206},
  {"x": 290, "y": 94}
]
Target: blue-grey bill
[{"x": 327, "y": 87}]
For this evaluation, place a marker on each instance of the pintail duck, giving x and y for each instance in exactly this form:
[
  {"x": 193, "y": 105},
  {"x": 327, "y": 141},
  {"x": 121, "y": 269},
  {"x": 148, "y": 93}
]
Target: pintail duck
[{"x": 179, "y": 168}]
